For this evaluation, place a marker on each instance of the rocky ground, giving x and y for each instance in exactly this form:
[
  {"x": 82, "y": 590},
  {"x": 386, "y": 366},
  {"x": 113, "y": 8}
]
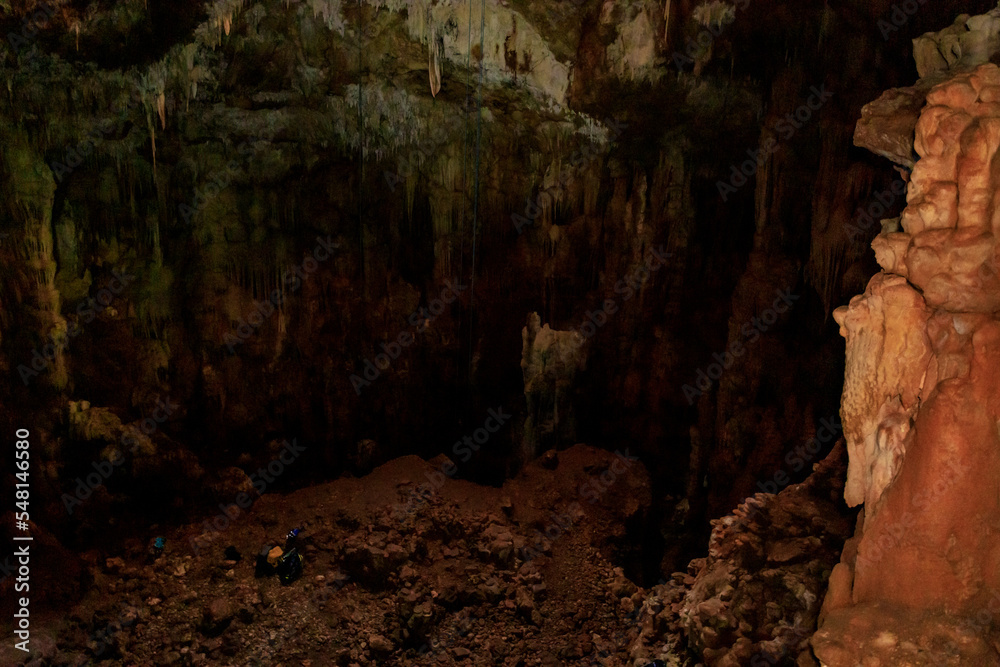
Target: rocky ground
[
  {"x": 527, "y": 574},
  {"x": 388, "y": 578},
  {"x": 755, "y": 599}
]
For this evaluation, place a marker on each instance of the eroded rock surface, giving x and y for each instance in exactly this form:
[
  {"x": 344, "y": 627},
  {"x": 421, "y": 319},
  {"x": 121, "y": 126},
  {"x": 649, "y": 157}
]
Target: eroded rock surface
[
  {"x": 550, "y": 363},
  {"x": 917, "y": 584},
  {"x": 969, "y": 41},
  {"x": 887, "y": 124},
  {"x": 755, "y": 599}
]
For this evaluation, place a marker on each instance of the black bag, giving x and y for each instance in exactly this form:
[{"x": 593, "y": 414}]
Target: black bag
[
  {"x": 289, "y": 566},
  {"x": 263, "y": 568}
]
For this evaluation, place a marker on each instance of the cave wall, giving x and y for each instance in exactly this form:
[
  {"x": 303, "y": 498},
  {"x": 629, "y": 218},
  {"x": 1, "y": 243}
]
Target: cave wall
[{"x": 223, "y": 157}]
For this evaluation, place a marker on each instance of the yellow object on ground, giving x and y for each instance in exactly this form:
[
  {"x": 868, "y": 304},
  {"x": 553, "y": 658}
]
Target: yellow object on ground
[{"x": 274, "y": 555}]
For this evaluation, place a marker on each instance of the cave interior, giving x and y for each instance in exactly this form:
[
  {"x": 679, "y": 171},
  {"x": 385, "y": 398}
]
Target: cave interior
[{"x": 497, "y": 332}]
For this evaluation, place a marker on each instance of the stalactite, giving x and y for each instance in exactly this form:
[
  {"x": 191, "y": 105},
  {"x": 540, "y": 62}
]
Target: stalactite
[
  {"x": 161, "y": 102},
  {"x": 434, "y": 62},
  {"x": 157, "y": 250},
  {"x": 666, "y": 21},
  {"x": 424, "y": 17},
  {"x": 411, "y": 191},
  {"x": 714, "y": 14},
  {"x": 331, "y": 12}
]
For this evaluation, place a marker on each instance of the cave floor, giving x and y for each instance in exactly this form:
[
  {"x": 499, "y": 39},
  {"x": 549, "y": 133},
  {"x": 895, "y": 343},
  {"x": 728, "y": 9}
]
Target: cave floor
[{"x": 387, "y": 579}]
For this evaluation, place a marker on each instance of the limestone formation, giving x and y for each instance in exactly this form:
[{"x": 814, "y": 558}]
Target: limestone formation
[
  {"x": 550, "y": 361},
  {"x": 755, "y": 599},
  {"x": 434, "y": 64},
  {"x": 921, "y": 398},
  {"x": 967, "y": 42}
]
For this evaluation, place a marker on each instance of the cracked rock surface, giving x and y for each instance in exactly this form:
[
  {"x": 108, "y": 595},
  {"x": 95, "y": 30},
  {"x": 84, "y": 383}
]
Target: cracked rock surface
[{"x": 756, "y": 597}]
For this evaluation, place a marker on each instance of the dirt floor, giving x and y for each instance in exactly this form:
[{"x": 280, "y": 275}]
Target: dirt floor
[{"x": 461, "y": 575}]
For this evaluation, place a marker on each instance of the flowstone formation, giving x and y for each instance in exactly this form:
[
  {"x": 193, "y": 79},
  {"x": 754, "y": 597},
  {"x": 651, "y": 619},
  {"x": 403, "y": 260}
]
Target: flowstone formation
[
  {"x": 918, "y": 583},
  {"x": 550, "y": 362}
]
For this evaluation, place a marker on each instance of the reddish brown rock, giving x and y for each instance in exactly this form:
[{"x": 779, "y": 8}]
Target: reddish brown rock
[
  {"x": 921, "y": 406},
  {"x": 886, "y": 125},
  {"x": 756, "y": 597},
  {"x": 888, "y": 354}
]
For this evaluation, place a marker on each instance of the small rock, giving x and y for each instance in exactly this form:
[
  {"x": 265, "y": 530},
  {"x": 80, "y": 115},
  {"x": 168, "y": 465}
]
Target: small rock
[
  {"x": 216, "y": 617},
  {"x": 380, "y": 644},
  {"x": 549, "y": 460}
]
